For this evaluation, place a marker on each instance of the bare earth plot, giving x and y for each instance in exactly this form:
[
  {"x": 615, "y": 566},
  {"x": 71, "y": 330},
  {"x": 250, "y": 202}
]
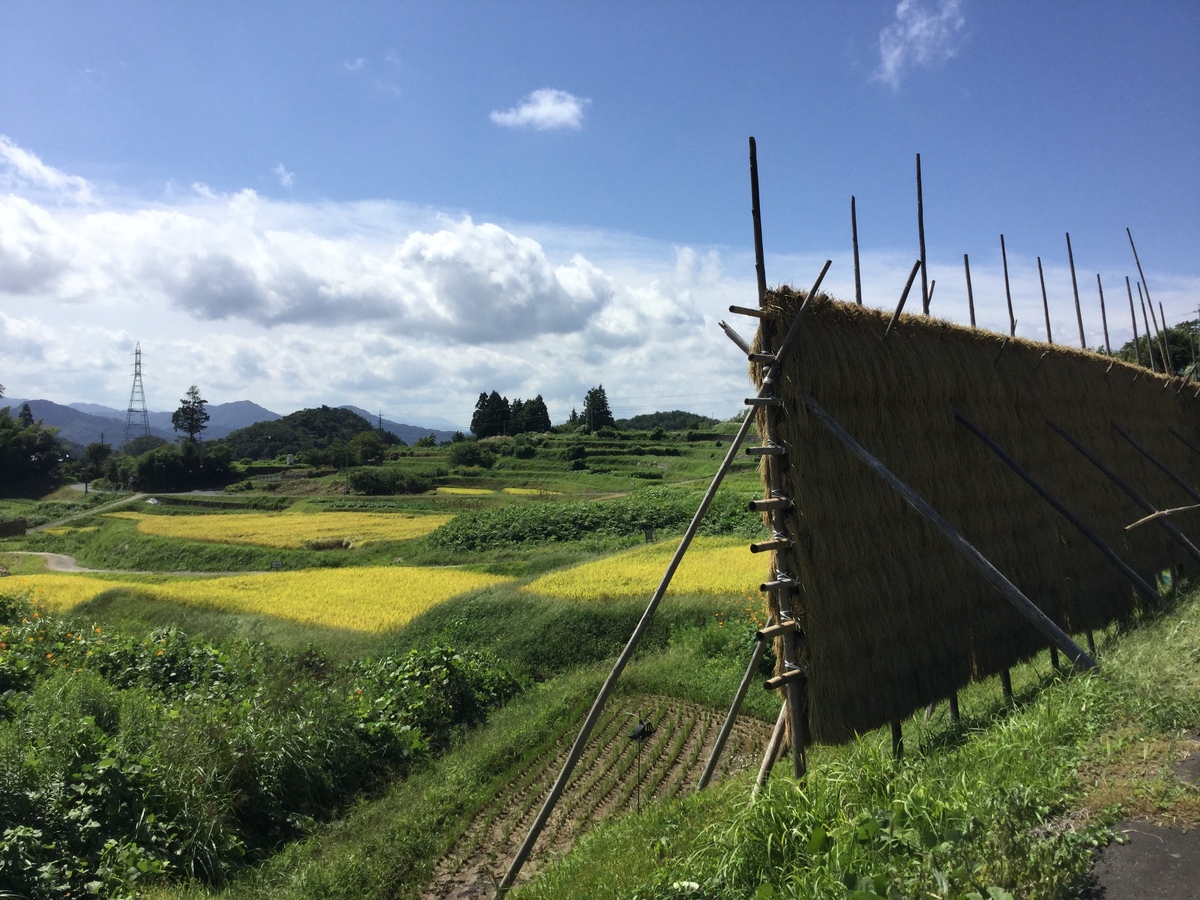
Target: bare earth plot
[{"x": 612, "y": 777}]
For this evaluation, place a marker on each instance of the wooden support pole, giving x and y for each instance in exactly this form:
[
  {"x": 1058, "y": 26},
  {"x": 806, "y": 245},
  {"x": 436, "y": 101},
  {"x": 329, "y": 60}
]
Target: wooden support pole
[
  {"x": 1133, "y": 495},
  {"x": 1137, "y": 344},
  {"x": 1012, "y": 322},
  {"x": 991, "y": 574},
  {"x": 1139, "y": 583},
  {"x": 772, "y": 753},
  {"x": 970, "y": 293},
  {"x": 854, "y": 241},
  {"x": 921, "y": 238},
  {"x": 1054, "y": 657},
  {"x": 897, "y": 740},
  {"x": 1006, "y": 686},
  {"x": 1075, "y": 290},
  {"x": 903, "y": 297},
  {"x": 1045, "y": 302},
  {"x": 760, "y": 647},
  {"x": 760, "y": 269},
  {"x": 1158, "y": 463},
  {"x": 954, "y": 717},
  {"x": 1103, "y": 315},
  {"x": 1091, "y": 641}
]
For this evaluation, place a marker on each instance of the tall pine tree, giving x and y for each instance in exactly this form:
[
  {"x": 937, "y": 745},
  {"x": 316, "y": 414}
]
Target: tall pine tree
[{"x": 596, "y": 414}]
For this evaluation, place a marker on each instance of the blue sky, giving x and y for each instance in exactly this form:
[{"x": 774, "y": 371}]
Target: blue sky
[{"x": 400, "y": 205}]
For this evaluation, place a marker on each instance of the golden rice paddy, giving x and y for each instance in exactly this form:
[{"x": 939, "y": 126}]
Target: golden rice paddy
[
  {"x": 529, "y": 492},
  {"x": 711, "y": 566},
  {"x": 364, "y": 599},
  {"x": 465, "y": 492},
  {"x": 288, "y": 529}
]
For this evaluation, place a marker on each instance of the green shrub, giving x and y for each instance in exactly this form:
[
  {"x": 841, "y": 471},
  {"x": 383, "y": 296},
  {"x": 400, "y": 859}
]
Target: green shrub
[{"x": 125, "y": 759}]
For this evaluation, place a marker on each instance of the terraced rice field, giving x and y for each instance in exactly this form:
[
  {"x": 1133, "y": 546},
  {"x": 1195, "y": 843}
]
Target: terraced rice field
[
  {"x": 712, "y": 566},
  {"x": 289, "y": 529},
  {"x": 612, "y": 777},
  {"x": 372, "y": 599}
]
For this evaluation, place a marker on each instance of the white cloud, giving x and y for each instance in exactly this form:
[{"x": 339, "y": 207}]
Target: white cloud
[
  {"x": 544, "y": 110},
  {"x": 920, "y": 36},
  {"x": 286, "y": 178},
  {"x": 21, "y": 169},
  {"x": 355, "y": 65}
]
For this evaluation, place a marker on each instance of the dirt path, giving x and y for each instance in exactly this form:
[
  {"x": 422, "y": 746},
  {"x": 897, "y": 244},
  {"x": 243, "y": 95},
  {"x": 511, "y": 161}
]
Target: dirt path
[{"x": 614, "y": 776}]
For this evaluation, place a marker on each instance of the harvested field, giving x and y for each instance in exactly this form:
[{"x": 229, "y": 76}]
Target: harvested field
[
  {"x": 289, "y": 529},
  {"x": 372, "y": 599},
  {"x": 606, "y": 782},
  {"x": 712, "y": 566}
]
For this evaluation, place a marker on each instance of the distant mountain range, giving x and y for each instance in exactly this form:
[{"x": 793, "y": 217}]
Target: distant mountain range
[{"x": 84, "y": 423}]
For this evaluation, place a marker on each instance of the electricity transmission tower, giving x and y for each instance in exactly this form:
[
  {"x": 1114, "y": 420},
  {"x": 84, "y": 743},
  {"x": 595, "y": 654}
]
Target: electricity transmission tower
[{"x": 136, "y": 418}]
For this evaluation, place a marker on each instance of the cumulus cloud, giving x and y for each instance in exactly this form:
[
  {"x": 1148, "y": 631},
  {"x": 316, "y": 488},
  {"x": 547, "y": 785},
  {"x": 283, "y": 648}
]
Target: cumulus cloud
[
  {"x": 545, "y": 110},
  {"x": 20, "y": 168},
  {"x": 286, "y": 178},
  {"x": 921, "y": 35},
  {"x": 373, "y": 303},
  {"x": 355, "y": 65}
]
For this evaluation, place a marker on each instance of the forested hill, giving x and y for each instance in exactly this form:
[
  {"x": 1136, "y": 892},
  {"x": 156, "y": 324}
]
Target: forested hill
[
  {"x": 306, "y": 429},
  {"x": 675, "y": 420}
]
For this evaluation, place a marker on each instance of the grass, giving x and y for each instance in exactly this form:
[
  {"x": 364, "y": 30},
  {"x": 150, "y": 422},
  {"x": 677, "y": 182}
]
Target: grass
[{"x": 1011, "y": 800}]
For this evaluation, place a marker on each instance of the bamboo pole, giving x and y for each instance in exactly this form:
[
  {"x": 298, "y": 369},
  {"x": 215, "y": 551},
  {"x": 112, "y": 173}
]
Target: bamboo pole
[
  {"x": 1162, "y": 317},
  {"x": 1139, "y": 583},
  {"x": 970, "y": 293},
  {"x": 760, "y": 647},
  {"x": 755, "y": 211},
  {"x": 771, "y": 753},
  {"x": 1149, "y": 335},
  {"x": 639, "y": 631},
  {"x": 897, "y": 740},
  {"x": 1045, "y": 302},
  {"x": 903, "y": 297},
  {"x": 1103, "y": 315},
  {"x": 854, "y": 241},
  {"x": 735, "y": 337},
  {"x": 1012, "y": 322},
  {"x": 1075, "y": 289},
  {"x": 1157, "y": 463},
  {"x": 991, "y": 574},
  {"x": 921, "y": 237},
  {"x": 1133, "y": 495},
  {"x": 1185, "y": 441},
  {"x": 1006, "y": 686},
  {"x": 1168, "y": 369},
  {"x": 1137, "y": 344}
]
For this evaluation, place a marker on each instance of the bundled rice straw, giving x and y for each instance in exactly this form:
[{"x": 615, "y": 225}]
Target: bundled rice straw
[{"x": 894, "y": 617}]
